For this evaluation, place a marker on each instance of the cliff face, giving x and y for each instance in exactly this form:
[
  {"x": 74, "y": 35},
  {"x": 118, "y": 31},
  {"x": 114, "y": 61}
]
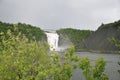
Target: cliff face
[
  {"x": 99, "y": 40},
  {"x": 64, "y": 41}
]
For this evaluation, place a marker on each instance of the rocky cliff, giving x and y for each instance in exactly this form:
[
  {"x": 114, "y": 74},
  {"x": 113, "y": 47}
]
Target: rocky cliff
[
  {"x": 100, "y": 39},
  {"x": 64, "y": 41},
  {"x": 69, "y": 36}
]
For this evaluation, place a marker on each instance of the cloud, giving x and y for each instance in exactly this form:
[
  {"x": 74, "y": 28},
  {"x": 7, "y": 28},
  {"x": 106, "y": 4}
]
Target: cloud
[{"x": 55, "y": 14}]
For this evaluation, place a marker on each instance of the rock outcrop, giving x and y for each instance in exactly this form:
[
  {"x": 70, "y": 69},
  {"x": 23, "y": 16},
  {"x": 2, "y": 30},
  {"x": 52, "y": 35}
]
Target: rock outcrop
[
  {"x": 64, "y": 41},
  {"x": 99, "y": 40}
]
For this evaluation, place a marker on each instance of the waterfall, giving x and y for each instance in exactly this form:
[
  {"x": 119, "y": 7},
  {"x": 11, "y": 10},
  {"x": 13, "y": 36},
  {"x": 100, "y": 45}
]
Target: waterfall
[{"x": 52, "y": 39}]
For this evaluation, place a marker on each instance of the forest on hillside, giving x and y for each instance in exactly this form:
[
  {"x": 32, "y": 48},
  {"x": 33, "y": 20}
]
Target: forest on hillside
[
  {"x": 31, "y": 32},
  {"x": 76, "y": 36},
  {"x": 115, "y": 24}
]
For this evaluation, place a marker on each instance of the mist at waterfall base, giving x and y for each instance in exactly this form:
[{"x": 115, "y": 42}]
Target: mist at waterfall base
[{"x": 53, "y": 39}]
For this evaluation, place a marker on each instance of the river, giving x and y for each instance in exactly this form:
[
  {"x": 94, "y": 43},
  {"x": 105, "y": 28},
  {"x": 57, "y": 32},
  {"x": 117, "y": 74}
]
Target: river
[{"x": 111, "y": 68}]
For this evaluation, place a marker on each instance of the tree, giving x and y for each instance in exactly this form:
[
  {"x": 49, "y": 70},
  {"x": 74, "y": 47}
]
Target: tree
[{"x": 23, "y": 59}]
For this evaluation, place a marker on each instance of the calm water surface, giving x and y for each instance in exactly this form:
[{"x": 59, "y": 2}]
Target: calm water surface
[{"x": 112, "y": 66}]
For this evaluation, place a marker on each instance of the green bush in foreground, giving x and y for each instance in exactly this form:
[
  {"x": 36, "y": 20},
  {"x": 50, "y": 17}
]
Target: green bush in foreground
[{"x": 22, "y": 59}]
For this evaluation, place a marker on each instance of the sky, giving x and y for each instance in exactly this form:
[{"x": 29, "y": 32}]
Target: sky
[{"x": 56, "y": 14}]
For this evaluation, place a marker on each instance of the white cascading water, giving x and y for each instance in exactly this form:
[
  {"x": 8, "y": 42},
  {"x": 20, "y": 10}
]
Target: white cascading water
[{"x": 52, "y": 39}]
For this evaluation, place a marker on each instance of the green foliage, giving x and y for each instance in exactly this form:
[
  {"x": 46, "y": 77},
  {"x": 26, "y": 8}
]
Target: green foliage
[
  {"x": 114, "y": 24},
  {"x": 31, "y": 32},
  {"x": 93, "y": 73},
  {"x": 76, "y": 36},
  {"x": 23, "y": 59},
  {"x": 115, "y": 41},
  {"x": 98, "y": 71}
]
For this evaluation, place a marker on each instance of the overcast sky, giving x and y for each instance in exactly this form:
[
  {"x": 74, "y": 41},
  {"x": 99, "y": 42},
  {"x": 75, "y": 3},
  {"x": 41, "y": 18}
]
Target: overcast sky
[{"x": 55, "y": 14}]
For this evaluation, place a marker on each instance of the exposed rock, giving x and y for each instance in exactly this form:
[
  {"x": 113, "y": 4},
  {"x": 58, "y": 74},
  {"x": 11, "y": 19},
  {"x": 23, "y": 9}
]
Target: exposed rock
[
  {"x": 99, "y": 40},
  {"x": 64, "y": 41}
]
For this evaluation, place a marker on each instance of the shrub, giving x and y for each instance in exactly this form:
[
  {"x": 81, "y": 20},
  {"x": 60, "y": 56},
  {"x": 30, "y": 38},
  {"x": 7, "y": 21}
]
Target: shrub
[{"x": 23, "y": 59}]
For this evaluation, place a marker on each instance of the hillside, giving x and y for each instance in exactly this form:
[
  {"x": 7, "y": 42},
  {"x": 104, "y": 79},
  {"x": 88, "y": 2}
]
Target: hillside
[
  {"x": 74, "y": 35},
  {"x": 31, "y": 32},
  {"x": 100, "y": 39}
]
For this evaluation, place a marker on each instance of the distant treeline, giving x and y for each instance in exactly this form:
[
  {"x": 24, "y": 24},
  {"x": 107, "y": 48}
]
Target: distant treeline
[
  {"x": 76, "y": 36},
  {"x": 115, "y": 24},
  {"x": 31, "y": 32}
]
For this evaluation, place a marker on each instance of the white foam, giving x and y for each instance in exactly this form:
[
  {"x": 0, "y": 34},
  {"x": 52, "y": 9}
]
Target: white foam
[{"x": 53, "y": 39}]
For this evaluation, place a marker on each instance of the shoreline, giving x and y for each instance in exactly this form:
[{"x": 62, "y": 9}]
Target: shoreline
[{"x": 98, "y": 51}]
